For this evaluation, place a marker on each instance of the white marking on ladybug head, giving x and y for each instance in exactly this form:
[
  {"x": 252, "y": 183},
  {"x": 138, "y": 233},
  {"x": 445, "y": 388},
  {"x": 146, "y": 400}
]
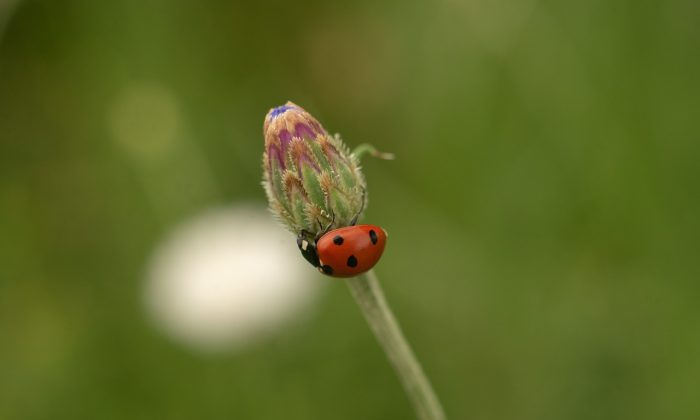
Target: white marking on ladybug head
[{"x": 304, "y": 245}]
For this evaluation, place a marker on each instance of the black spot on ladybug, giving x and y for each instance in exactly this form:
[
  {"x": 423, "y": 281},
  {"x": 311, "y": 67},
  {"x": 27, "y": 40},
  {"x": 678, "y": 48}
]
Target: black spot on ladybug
[
  {"x": 327, "y": 269},
  {"x": 338, "y": 240},
  {"x": 373, "y": 237},
  {"x": 352, "y": 261}
]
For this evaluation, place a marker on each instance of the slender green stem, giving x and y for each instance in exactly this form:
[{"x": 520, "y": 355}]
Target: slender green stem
[
  {"x": 369, "y": 296},
  {"x": 365, "y": 148}
]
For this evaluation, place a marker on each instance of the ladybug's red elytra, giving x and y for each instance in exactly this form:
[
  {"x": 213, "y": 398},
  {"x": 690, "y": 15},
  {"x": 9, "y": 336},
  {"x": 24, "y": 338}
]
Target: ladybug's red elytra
[{"x": 344, "y": 252}]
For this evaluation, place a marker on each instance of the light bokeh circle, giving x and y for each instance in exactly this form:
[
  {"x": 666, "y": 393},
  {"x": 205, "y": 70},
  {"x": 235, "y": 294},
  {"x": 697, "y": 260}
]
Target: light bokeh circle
[{"x": 228, "y": 278}]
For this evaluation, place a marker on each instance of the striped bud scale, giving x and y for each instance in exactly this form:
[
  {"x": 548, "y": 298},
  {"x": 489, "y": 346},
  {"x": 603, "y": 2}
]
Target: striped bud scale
[{"x": 311, "y": 178}]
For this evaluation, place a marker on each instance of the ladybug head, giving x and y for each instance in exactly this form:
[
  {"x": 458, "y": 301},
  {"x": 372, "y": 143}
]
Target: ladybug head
[{"x": 307, "y": 247}]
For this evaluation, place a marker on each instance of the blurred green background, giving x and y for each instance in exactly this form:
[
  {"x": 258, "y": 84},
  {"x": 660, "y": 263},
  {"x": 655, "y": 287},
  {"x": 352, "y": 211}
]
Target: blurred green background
[{"x": 543, "y": 209}]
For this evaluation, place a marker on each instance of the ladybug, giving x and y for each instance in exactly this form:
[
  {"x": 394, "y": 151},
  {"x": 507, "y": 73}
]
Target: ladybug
[{"x": 344, "y": 252}]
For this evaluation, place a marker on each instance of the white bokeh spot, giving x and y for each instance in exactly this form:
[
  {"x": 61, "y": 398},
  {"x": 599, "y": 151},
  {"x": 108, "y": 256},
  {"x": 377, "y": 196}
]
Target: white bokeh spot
[{"x": 228, "y": 278}]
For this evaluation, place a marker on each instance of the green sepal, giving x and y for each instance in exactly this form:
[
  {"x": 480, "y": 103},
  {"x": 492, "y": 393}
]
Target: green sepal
[
  {"x": 278, "y": 183},
  {"x": 319, "y": 156},
  {"x": 312, "y": 186}
]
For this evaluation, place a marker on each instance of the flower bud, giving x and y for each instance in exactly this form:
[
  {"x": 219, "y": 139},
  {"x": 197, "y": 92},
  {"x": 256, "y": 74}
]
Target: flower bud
[{"x": 311, "y": 179}]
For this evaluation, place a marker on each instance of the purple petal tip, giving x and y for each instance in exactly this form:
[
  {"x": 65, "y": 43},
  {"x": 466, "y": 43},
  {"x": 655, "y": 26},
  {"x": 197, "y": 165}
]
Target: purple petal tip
[{"x": 276, "y": 112}]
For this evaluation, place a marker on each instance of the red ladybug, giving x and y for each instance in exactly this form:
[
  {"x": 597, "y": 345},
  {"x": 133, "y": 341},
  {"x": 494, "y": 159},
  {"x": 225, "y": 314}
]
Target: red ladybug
[{"x": 344, "y": 252}]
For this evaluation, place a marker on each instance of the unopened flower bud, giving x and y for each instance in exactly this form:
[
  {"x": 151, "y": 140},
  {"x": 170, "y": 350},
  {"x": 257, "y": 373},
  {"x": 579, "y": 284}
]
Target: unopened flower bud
[{"x": 311, "y": 179}]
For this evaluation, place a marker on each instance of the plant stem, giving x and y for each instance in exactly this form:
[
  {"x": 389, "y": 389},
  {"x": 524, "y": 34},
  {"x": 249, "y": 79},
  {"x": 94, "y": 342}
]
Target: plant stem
[{"x": 369, "y": 296}]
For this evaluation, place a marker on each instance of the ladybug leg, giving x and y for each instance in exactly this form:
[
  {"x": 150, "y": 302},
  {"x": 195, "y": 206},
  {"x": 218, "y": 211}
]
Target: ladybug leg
[
  {"x": 327, "y": 228},
  {"x": 324, "y": 230},
  {"x": 362, "y": 207}
]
